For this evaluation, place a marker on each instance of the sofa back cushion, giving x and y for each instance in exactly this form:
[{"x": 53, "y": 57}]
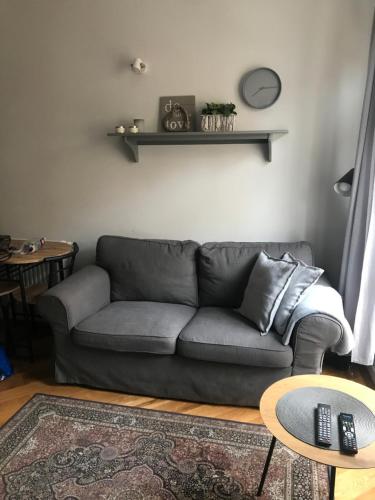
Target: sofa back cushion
[
  {"x": 150, "y": 270},
  {"x": 224, "y": 268}
]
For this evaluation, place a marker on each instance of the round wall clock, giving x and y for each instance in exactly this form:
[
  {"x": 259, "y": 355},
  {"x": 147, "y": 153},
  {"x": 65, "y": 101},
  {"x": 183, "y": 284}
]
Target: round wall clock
[{"x": 261, "y": 87}]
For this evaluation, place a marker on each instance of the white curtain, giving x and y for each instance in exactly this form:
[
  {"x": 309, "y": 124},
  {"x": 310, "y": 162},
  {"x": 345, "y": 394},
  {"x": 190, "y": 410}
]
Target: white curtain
[
  {"x": 364, "y": 324},
  {"x": 357, "y": 279}
]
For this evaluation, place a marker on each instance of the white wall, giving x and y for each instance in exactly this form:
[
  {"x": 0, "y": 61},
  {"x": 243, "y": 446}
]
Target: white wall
[{"x": 66, "y": 82}]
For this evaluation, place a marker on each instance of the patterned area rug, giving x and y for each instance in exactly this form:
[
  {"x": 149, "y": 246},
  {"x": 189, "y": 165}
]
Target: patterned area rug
[{"x": 69, "y": 449}]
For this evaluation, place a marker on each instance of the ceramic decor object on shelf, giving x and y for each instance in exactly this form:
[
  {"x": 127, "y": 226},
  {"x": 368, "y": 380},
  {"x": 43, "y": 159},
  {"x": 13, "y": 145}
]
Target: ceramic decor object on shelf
[
  {"x": 140, "y": 124},
  {"x": 177, "y": 113},
  {"x": 177, "y": 120},
  {"x": 218, "y": 117}
]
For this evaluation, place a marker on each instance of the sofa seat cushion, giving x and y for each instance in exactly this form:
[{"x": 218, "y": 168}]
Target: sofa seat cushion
[
  {"x": 150, "y": 327},
  {"x": 223, "y": 335}
]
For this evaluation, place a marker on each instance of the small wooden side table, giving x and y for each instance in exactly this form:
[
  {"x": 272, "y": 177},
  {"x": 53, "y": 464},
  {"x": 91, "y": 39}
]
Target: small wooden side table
[
  {"x": 18, "y": 265},
  {"x": 365, "y": 458},
  {"x": 50, "y": 249}
]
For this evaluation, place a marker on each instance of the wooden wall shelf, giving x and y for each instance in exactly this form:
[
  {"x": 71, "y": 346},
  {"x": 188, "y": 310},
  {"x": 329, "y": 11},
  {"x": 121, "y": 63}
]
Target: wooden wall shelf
[{"x": 265, "y": 137}]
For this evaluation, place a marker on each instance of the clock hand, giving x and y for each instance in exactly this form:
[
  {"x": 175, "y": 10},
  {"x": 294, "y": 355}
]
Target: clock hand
[
  {"x": 264, "y": 88},
  {"x": 255, "y": 93}
]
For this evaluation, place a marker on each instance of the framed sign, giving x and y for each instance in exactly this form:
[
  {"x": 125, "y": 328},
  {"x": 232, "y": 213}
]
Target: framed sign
[{"x": 172, "y": 116}]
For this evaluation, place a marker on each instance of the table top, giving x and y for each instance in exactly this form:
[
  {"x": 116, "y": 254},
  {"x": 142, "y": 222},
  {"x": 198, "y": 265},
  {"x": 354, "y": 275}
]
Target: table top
[
  {"x": 365, "y": 458},
  {"x": 50, "y": 249}
]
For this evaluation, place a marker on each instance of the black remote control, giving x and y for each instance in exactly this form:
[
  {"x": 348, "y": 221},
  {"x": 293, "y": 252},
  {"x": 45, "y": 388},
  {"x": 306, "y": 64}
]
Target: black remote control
[
  {"x": 323, "y": 425},
  {"x": 348, "y": 441}
]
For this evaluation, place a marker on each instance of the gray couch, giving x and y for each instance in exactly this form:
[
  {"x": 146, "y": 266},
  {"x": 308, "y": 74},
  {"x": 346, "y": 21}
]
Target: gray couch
[{"x": 157, "y": 317}]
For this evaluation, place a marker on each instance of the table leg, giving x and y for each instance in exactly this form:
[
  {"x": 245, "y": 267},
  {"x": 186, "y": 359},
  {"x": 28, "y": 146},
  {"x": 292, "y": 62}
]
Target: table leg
[
  {"x": 8, "y": 337},
  {"x": 332, "y": 479},
  {"x": 266, "y": 465},
  {"x": 26, "y": 312},
  {"x": 12, "y": 307}
]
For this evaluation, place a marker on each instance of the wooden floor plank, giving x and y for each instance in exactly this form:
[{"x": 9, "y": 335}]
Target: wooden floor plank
[{"x": 37, "y": 377}]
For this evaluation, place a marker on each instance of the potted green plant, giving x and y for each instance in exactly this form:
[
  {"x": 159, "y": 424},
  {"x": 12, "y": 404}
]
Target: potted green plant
[{"x": 218, "y": 117}]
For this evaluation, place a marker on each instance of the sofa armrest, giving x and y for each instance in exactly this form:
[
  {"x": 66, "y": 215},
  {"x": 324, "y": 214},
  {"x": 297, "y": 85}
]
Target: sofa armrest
[
  {"x": 318, "y": 323},
  {"x": 74, "y": 299}
]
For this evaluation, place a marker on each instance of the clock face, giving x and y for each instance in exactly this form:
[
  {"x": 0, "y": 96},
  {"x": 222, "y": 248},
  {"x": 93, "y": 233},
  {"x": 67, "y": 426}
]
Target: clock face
[{"x": 261, "y": 87}]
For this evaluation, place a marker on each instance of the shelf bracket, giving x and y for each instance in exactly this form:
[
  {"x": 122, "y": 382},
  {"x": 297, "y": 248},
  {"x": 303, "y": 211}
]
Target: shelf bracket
[
  {"x": 272, "y": 136},
  {"x": 269, "y": 148},
  {"x": 132, "y": 146}
]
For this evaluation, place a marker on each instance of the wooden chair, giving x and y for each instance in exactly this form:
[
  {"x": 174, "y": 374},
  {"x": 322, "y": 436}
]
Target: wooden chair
[{"x": 59, "y": 269}]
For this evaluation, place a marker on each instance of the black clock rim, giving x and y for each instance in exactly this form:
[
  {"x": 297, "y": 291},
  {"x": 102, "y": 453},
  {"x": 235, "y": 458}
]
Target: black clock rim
[{"x": 248, "y": 74}]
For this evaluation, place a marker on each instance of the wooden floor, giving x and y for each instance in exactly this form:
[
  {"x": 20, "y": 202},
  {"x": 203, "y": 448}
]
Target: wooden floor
[{"x": 37, "y": 377}]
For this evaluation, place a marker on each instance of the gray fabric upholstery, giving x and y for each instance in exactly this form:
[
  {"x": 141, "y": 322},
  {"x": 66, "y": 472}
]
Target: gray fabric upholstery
[
  {"x": 313, "y": 336},
  {"x": 224, "y": 268},
  {"x": 230, "y": 346},
  {"x": 268, "y": 282},
  {"x": 76, "y": 298},
  {"x": 163, "y": 376},
  {"x": 150, "y": 270},
  {"x": 151, "y": 327},
  {"x": 222, "y": 335},
  {"x": 304, "y": 277},
  {"x": 326, "y": 304}
]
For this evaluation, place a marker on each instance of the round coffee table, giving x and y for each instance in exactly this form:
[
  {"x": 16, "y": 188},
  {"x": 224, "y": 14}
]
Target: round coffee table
[{"x": 365, "y": 458}]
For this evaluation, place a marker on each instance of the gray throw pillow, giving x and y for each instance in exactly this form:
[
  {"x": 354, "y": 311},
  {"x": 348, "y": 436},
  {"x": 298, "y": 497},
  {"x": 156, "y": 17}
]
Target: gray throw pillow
[
  {"x": 265, "y": 289},
  {"x": 304, "y": 277}
]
